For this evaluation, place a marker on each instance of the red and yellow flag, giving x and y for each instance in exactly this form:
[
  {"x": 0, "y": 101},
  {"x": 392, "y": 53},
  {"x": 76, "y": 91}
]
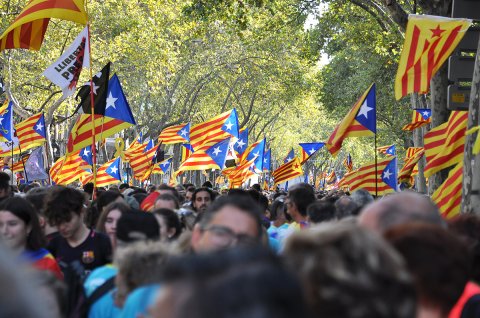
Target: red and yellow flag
[
  {"x": 429, "y": 41},
  {"x": 365, "y": 178},
  {"x": 28, "y": 29},
  {"x": 173, "y": 134},
  {"x": 444, "y": 144},
  {"x": 417, "y": 121},
  {"x": 408, "y": 168},
  {"x": 411, "y": 151},
  {"x": 287, "y": 171},
  {"x": 448, "y": 196}
]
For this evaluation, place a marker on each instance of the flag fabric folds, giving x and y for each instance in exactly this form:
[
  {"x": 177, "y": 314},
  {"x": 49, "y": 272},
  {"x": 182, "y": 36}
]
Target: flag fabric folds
[
  {"x": 175, "y": 134},
  {"x": 231, "y": 124},
  {"x": 448, "y": 196},
  {"x": 65, "y": 71},
  {"x": 8, "y": 140},
  {"x": 309, "y": 148},
  {"x": 365, "y": 178},
  {"x": 108, "y": 173},
  {"x": 429, "y": 41},
  {"x": 116, "y": 117},
  {"x": 360, "y": 121},
  {"x": 287, "y": 171},
  {"x": 409, "y": 166},
  {"x": 241, "y": 144},
  {"x": 142, "y": 162},
  {"x": 387, "y": 150},
  {"x": 412, "y": 151},
  {"x": 255, "y": 151},
  {"x": 444, "y": 144},
  {"x": 218, "y": 152},
  {"x": 420, "y": 117},
  {"x": 267, "y": 160},
  {"x": 187, "y": 150},
  {"x": 72, "y": 167},
  {"x": 290, "y": 156},
  {"x": 28, "y": 29},
  {"x": 31, "y": 133}
]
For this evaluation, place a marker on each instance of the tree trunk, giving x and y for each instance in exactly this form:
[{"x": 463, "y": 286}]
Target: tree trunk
[
  {"x": 471, "y": 172},
  {"x": 440, "y": 113}
]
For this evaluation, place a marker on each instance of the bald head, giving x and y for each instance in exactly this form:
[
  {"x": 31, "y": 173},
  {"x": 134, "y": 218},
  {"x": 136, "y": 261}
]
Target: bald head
[{"x": 401, "y": 208}]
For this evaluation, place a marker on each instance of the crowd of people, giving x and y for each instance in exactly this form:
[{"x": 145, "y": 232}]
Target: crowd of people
[{"x": 188, "y": 252}]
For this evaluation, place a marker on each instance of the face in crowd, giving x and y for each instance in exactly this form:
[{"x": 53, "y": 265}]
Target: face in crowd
[{"x": 202, "y": 200}]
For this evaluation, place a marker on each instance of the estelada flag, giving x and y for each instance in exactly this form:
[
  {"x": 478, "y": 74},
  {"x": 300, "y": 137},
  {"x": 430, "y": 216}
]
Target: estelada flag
[
  {"x": 65, "y": 71},
  {"x": 360, "y": 121},
  {"x": 287, "y": 171},
  {"x": 28, "y": 29},
  {"x": 420, "y": 117},
  {"x": 175, "y": 134},
  {"x": 448, "y": 196},
  {"x": 429, "y": 41}
]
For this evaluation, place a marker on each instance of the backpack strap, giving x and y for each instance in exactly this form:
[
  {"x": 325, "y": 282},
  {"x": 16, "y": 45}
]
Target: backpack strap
[{"x": 107, "y": 286}]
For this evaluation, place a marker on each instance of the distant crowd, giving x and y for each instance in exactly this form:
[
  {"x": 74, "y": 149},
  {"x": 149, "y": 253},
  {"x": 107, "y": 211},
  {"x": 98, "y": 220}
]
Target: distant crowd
[{"x": 190, "y": 251}]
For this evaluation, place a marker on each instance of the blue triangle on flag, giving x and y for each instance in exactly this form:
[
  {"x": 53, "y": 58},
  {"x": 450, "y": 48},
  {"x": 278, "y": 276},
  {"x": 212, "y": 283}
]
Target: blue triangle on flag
[
  {"x": 40, "y": 126},
  {"x": 389, "y": 174},
  {"x": 86, "y": 155},
  {"x": 367, "y": 114},
  {"x": 311, "y": 147},
  {"x": 218, "y": 152},
  {"x": 114, "y": 169},
  {"x": 267, "y": 158},
  {"x": 289, "y": 157},
  {"x": 425, "y": 112},
  {"x": 231, "y": 124},
  {"x": 185, "y": 132},
  {"x": 117, "y": 106},
  {"x": 165, "y": 165},
  {"x": 258, "y": 151},
  {"x": 391, "y": 150},
  {"x": 241, "y": 144}
]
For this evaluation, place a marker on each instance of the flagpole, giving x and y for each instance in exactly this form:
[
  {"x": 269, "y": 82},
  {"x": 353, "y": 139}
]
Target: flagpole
[
  {"x": 92, "y": 109},
  {"x": 11, "y": 168},
  {"x": 376, "y": 168},
  {"x": 48, "y": 158},
  {"x": 23, "y": 162}
]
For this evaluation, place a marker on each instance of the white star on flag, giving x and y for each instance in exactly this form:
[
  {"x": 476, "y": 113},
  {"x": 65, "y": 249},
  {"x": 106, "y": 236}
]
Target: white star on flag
[
  {"x": 256, "y": 154},
  {"x": 1, "y": 120},
  {"x": 265, "y": 160},
  {"x": 113, "y": 169},
  {"x": 425, "y": 113},
  {"x": 240, "y": 143},
  {"x": 39, "y": 127},
  {"x": 387, "y": 174},
  {"x": 94, "y": 88},
  {"x": 364, "y": 110},
  {"x": 312, "y": 151},
  {"x": 288, "y": 159},
  {"x": 111, "y": 101},
  {"x": 183, "y": 132},
  {"x": 164, "y": 164},
  {"x": 216, "y": 151},
  {"x": 99, "y": 74},
  {"x": 85, "y": 152},
  {"x": 229, "y": 125}
]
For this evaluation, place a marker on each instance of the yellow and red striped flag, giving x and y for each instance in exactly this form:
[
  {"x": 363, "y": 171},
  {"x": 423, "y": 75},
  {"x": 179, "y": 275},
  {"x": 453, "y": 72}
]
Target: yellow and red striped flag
[
  {"x": 239, "y": 174},
  {"x": 28, "y": 29},
  {"x": 175, "y": 134},
  {"x": 420, "y": 117},
  {"x": 365, "y": 178},
  {"x": 20, "y": 165},
  {"x": 444, "y": 144},
  {"x": 408, "y": 168},
  {"x": 108, "y": 173},
  {"x": 412, "y": 151},
  {"x": 287, "y": 171},
  {"x": 68, "y": 169},
  {"x": 448, "y": 196},
  {"x": 360, "y": 121},
  {"x": 429, "y": 41},
  {"x": 31, "y": 133},
  {"x": 142, "y": 162},
  {"x": 344, "y": 183}
]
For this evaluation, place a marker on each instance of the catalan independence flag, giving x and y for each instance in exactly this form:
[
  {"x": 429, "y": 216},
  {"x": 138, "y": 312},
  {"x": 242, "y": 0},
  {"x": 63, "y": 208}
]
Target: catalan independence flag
[
  {"x": 411, "y": 151},
  {"x": 420, "y": 117},
  {"x": 72, "y": 167},
  {"x": 389, "y": 150},
  {"x": 409, "y": 166},
  {"x": 444, "y": 144},
  {"x": 448, "y": 196},
  {"x": 28, "y": 29},
  {"x": 108, "y": 173},
  {"x": 364, "y": 177},
  {"x": 175, "y": 134},
  {"x": 348, "y": 163},
  {"x": 309, "y": 148},
  {"x": 360, "y": 121},
  {"x": 287, "y": 171},
  {"x": 429, "y": 41},
  {"x": 31, "y": 133}
]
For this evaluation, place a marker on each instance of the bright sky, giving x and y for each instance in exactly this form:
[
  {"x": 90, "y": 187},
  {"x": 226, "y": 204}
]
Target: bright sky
[{"x": 310, "y": 22}]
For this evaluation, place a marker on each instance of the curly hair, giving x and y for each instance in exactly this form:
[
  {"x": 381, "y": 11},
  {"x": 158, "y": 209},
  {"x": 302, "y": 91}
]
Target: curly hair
[
  {"x": 61, "y": 202},
  {"x": 349, "y": 272}
]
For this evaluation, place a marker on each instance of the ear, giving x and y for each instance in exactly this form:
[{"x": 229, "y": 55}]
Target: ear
[
  {"x": 42, "y": 221},
  {"x": 171, "y": 232},
  {"x": 197, "y": 234}
]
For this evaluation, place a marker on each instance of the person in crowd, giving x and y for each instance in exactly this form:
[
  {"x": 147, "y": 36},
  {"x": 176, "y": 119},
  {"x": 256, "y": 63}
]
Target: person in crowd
[
  {"x": 100, "y": 284},
  {"x": 404, "y": 207},
  {"x": 198, "y": 286},
  {"x": 321, "y": 211},
  {"x": 188, "y": 196},
  {"x": 349, "y": 272},
  {"x": 279, "y": 220},
  {"x": 201, "y": 199},
  {"x": 166, "y": 189},
  {"x": 170, "y": 226},
  {"x": 362, "y": 198},
  {"x": 21, "y": 233},
  {"x": 299, "y": 197},
  {"x": 346, "y": 207},
  {"x": 107, "y": 222},
  {"x": 51, "y": 291},
  {"x": 7, "y": 168},
  {"x": 5, "y": 189},
  {"x": 230, "y": 220},
  {"x": 17, "y": 297},
  {"x": 65, "y": 208},
  {"x": 36, "y": 197},
  {"x": 166, "y": 201},
  {"x": 438, "y": 262},
  {"x": 104, "y": 199}
]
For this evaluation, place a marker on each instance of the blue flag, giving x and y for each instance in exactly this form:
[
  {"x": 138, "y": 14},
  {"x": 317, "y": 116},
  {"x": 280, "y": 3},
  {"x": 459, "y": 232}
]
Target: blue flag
[
  {"x": 367, "y": 114},
  {"x": 231, "y": 124},
  {"x": 185, "y": 132},
  {"x": 389, "y": 174},
  {"x": 218, "y": 152},
  {"x": 40, "y": 126},
  {"x": 114, "y": 169},
  {"x": 241, "y": 145},
  {"x": 425, "y": 112},
  {"x": 391, "y": 151},
  {"x": 289, "y": 157},
  {"x": 117, "y": 106},
  {"x": 258, "y": 151},
  {"x": 86, "y": 154},
  {"x": 34, "y": 168},
  {"x": 267, "y": 159},
  {"x": 165, "y": 165}
]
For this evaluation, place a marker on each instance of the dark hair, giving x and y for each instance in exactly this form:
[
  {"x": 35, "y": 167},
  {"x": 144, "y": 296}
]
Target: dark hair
[
  {"x": 203, "y": 189},
  {"x": 61, "y": 202},
  {"x": 22, "y": 209},
  {"x": 107, "y": 197},
  {"x": 172, "y": 220},
  {"x": 122, "y": 207},
  {"x": 36, "y": 197},
  {"x": 168, "y": 197},
  {"x": 4, "y": 180},
  {"x": 88, "y": 188},
  {"x": 243, "y": 203},
  {"x": 302, "y": 194},
  {"x": 259, "y": 198},
  {"x": 207, "y": 184},
  {"x": 124, "y": 186},
  {"x": 276, "y": 205},
  {"x": 164, "y": 186},
  {"x": 432, "y": 252},
  {"x": 321, "y": 211}
]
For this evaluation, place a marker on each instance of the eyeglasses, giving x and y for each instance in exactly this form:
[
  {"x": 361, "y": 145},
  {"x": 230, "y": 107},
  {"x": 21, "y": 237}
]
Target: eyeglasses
[{"x": 227, "y": 237}]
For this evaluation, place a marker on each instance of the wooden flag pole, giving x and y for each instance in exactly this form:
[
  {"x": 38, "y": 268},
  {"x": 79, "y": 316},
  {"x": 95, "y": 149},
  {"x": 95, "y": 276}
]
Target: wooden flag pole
[
  {"x": 92, "y": 109},
  {"x": 376, "y": 168}
]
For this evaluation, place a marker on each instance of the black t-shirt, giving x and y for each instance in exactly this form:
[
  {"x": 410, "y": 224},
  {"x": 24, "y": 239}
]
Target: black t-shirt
[{"x": 94, "y": 252}]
